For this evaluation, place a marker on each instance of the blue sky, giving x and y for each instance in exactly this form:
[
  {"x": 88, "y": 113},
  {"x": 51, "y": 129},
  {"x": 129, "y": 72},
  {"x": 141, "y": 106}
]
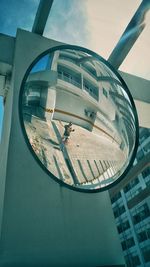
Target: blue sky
[
  {"x": 21, "y": 13},
  {"x": 17, "y": 14},
  {"x": 13, "y": 14},
  {"x": 95, "y": 24}
]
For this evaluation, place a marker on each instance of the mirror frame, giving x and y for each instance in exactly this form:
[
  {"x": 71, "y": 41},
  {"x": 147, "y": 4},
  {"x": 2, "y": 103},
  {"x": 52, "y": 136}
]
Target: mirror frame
[{"x": 50, "y": 174}]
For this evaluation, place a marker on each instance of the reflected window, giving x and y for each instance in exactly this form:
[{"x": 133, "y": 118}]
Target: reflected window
[{"x": 105, "y": 92}]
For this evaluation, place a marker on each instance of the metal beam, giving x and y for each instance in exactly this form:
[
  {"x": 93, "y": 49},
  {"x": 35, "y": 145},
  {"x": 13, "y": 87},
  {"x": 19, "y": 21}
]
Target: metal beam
[
  {"x": 130, "y": 35},
  {"x": 138, "y": 86},
  {"x": 7, "y": 47},
  {"x": 42, "y": 16}
]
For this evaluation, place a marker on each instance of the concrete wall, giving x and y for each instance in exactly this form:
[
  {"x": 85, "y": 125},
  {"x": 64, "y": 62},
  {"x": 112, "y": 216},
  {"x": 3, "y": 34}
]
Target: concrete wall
[
  {"x": 75, "y": 105},
  {"x": 43, "y": 223}
]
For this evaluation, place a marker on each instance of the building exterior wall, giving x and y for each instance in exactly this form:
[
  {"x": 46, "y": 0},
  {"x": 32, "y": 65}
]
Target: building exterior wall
[{"x": 133, "y": 220}]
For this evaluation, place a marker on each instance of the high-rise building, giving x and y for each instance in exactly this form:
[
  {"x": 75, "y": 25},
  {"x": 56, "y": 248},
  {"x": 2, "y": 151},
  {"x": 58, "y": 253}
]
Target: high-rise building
[{"x": 131, "y": 207}]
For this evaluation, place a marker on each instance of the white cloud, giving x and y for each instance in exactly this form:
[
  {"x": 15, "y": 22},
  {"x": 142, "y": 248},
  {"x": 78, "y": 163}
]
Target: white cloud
[
  {"x": 106, "y": 21},
  {"x": 67, "y": 23},
  {"x": 98, "y": 25}
]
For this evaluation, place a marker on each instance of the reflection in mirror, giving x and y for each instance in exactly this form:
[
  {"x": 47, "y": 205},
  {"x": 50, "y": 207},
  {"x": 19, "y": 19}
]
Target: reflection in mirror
[{"x": 78, "y": 118}]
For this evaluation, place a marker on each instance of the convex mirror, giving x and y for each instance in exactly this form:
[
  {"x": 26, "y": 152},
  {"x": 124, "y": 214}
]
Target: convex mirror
[{"x": 78, "y": 118}]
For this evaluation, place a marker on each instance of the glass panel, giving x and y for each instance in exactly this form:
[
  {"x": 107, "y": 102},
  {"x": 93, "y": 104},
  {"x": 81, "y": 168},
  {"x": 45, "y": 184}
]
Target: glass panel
[{"x": 80, "y": 134}]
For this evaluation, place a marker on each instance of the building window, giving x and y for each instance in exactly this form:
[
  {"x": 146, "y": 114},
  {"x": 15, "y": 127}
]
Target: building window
[
  {"x": 134, "y": 182},
  {"x": 128, "y": 243},
  {"x": 127, "y": 188},
  {"x": 146, "y": 148},
  {"x": 140, "y": 216},
  {"x": 118, "y": 211},
  {"x": 146, "y": 172},
  {"x": 139, "y": 155},
  {"x": 148, "y": 233},
  {"x": 116, "y": 197},
  {"x": 144, "y": 134},
  {"x": 123, "y": 226},
  {"x": 105, "y": 92},
  {"x": 146, "y": 253},
  {"x": 130, "y": 185},
  {"x": 124, "y": 246},
  {"x": 132, "y": 260},
  {"x": 144, "y": 235}
]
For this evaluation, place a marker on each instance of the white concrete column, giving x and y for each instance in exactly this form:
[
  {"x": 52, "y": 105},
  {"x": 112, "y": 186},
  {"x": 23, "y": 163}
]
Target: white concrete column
[{"x": 50, "y": 103}]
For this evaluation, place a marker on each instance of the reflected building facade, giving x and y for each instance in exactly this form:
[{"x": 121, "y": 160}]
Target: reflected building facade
[
  {"x": 131, "y": 207},
  {"x": 70, "y": 85}
]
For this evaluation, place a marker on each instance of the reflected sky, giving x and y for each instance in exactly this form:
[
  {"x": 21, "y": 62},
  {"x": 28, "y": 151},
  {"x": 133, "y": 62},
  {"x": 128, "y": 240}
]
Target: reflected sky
[{"x": 41, "y": 65}]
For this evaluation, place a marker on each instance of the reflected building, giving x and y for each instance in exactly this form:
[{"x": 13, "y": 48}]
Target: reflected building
[
  {"x": 74, "y": 86},
  {"x": 131, "y": 206}
]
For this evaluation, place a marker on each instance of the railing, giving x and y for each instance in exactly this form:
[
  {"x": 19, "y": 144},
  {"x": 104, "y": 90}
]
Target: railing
[
  {"x": 90, "y": 92},
  {"x": 69, "y": 80},
  {"x": 77, "y": 84}
]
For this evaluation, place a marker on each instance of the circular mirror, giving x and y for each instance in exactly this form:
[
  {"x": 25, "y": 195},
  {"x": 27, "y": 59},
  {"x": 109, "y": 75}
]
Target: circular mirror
[{"x": 79, "y": 118}]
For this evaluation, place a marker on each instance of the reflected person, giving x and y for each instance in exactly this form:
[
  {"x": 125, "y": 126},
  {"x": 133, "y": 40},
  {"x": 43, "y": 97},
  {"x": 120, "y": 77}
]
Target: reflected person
[{"x": 67, "y": 132}]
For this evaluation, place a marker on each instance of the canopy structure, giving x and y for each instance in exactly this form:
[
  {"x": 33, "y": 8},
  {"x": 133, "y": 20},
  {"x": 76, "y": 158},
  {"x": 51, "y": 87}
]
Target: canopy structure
[
  {"x": 42, "y": 222},
  {"x": 125, "y": 54}
]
